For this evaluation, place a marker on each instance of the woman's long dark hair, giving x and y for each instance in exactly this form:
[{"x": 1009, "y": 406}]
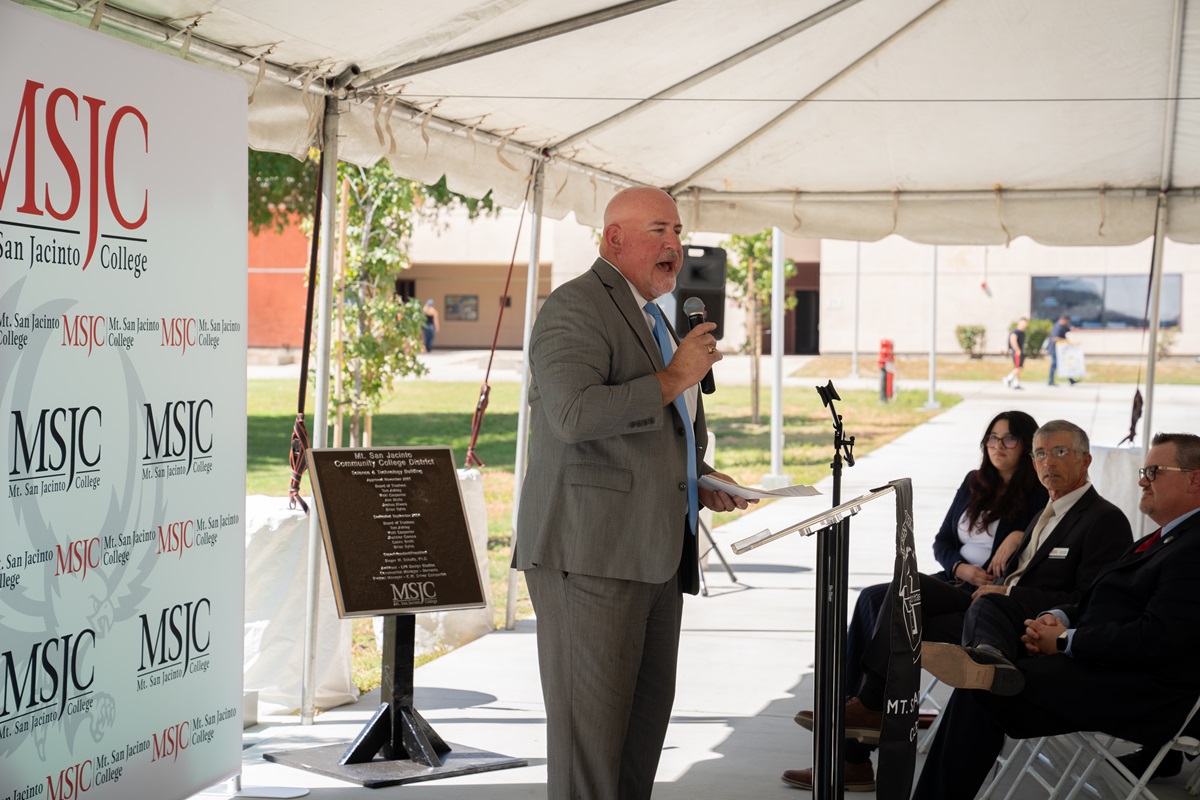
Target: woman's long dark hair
[{"x": 992, "y": 499}]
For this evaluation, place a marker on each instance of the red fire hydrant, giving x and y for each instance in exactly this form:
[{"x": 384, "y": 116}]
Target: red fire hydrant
[{"x": 887, "y": 370}]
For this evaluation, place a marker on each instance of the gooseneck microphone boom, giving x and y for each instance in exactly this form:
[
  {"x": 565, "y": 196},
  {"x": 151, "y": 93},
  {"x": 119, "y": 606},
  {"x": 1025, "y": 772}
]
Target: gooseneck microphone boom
[{"x": 693, "y": 307}]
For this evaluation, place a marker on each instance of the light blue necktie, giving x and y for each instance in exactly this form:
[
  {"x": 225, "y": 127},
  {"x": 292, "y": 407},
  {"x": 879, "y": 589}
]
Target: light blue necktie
[{"x": 663, "y": 337}]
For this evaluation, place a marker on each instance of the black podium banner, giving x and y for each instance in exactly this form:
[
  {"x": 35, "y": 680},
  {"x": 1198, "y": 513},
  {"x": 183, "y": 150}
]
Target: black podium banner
[{"x": 395, "y": 530}]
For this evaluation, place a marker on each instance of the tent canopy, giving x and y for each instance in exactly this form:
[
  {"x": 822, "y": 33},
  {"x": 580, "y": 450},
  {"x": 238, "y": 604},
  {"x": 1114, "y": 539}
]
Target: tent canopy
[{"x": 945, "y": 121}]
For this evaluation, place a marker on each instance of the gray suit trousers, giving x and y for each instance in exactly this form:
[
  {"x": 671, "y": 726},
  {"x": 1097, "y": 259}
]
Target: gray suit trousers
[{"x": 607, "y": 653}]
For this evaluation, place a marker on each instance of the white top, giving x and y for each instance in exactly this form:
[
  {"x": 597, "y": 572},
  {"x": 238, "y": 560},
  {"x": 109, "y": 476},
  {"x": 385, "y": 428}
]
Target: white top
[{"x": 976, "y": 542}]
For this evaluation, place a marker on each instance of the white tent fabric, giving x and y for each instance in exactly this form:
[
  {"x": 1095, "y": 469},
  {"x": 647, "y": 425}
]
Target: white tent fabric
[{"x": 945, "y": 121}]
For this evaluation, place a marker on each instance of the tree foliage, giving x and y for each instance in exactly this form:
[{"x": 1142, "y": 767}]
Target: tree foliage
[
  {"x": 750, "y": 255},
  {"x": 381, "y": 333}
]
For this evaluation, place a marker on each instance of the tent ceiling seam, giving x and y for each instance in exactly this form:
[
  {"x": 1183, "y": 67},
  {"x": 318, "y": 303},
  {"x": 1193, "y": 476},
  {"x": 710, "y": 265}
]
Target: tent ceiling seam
[
  {"x": 854, "y": 65},
  {"x": 715, "y": 69},
  {"x": 507, "y": 42}
]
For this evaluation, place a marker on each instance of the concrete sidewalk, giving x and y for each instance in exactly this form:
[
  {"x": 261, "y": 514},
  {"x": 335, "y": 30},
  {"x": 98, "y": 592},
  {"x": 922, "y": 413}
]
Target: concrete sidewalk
[{"x": 747, "y": 649}]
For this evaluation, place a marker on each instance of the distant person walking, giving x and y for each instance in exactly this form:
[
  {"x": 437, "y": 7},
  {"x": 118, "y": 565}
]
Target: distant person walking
[
  {"x": 431, "y": 325},
  {"x": 1016, "y": 346},
  {"x": 1058, "y": 334}
]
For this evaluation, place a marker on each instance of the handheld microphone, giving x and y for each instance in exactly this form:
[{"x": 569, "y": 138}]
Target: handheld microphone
[{"x": 693, "y": 307}]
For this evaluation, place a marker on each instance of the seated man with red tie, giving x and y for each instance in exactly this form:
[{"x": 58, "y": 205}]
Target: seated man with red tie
[{"x": 1122, "y": 660}]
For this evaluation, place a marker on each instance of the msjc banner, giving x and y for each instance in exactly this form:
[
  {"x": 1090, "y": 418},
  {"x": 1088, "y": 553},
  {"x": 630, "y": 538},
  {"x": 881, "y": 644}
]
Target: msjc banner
[{"x": 123, "y": 399}]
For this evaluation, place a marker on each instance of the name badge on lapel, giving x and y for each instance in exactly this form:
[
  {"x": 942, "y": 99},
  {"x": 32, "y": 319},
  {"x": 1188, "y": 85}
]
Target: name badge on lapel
[{"x": 1059, "y": 552}]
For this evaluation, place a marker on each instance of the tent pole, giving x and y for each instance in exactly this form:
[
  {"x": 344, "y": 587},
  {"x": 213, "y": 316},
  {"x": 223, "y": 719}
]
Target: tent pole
[
  {"x": 320, "y": 436},
  {"x": 778, "y": 340},
  {"x": 932, "y": 402},
  {"x": 1160, "y": 219},
  {"x": 531, "y": 295},
  {"x": 857, "y": 284},
  {"x": 1156, "y": 267}
]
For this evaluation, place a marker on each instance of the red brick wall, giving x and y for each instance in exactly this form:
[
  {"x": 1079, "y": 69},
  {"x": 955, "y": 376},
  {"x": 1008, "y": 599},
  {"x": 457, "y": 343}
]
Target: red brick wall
[{"x": 277, "y": 291}]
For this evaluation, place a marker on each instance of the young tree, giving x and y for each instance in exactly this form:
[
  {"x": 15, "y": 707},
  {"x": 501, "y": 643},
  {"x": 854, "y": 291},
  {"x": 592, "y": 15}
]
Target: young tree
[
  {"x": 381, "y": 336},
  {"x": 748, "y": 275}
]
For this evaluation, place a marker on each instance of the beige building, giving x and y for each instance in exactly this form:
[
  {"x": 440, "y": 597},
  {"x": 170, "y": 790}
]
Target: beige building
[
  {"x": 463, "y": 265},
  {"x": 1102, "y": 289}
]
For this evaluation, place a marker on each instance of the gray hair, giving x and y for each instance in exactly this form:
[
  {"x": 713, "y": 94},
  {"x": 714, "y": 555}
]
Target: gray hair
[
  {"x": 1079, "y": 437},
  {"x": 1187, "y": 447}
]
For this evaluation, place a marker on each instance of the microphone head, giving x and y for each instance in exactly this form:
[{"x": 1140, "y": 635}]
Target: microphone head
[{"x": 694, "y": 306}]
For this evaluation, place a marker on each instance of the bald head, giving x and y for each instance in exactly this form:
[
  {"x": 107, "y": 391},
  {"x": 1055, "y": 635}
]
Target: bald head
[{"x": 641, "y": 239}]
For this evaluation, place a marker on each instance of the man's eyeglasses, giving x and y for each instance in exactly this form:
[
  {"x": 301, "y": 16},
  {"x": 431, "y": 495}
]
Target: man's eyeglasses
[
  {"x": 1008, "y": 441},
  {"x": 1057, "y": 452},
  {"x": 1151, "y": 472}
]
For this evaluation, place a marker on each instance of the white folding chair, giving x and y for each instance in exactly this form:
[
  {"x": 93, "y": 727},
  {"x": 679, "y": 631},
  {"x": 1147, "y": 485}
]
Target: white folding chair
[
  {"x": 927, "y": 698},
  {"x": 1088, "y": 751}
]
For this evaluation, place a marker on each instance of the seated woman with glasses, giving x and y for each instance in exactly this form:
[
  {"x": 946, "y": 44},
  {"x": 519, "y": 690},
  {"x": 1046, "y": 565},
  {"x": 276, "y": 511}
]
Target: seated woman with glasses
[{"x": 982, "y": 529}]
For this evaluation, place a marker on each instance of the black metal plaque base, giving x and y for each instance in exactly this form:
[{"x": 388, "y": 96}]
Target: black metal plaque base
[
  {"x": 380, "y": 772},
  {"x": 397, "y": 745}
]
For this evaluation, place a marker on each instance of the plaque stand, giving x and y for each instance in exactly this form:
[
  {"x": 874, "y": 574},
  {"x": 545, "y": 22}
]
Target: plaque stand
[{"x": 397, "y": 745}]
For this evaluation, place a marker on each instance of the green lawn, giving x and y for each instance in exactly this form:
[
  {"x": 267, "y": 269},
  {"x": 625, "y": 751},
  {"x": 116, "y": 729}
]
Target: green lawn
[
  {"x": 422, "y": 412},
  {"x": 993, "y": 368}
]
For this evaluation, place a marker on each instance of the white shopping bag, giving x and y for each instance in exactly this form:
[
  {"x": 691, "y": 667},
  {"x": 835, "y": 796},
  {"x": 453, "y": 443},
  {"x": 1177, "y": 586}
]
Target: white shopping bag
[{"x": 1070, "y": 361}]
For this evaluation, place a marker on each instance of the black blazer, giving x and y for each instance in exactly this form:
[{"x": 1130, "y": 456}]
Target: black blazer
[
  {"x": 1092, "y": 535},
  {"x": 947, "y": 548},
  {"x": 1143, "y": 612}
]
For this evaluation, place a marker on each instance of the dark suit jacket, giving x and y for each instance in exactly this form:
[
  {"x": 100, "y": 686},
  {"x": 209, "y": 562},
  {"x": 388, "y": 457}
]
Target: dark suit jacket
[
  {"x": 1143, "y": 612},
  {"x": 605, "y": 490},
  {"x": 947, "y": 546},
  {"x": 1089, "y": 537}
]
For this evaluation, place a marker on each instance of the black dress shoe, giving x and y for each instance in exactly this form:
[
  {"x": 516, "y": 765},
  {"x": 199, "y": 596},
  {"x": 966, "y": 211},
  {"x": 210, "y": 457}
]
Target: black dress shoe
[
  {"x": 1137, "y": 761},
  {"x": 971, "y": 668}
]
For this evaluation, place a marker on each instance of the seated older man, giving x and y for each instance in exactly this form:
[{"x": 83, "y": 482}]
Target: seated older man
[{"x": 1121, "y": 661}]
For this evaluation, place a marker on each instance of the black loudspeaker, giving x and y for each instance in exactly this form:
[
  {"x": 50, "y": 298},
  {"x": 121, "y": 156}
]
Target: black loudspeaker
[{"x": 702, "y": 276}]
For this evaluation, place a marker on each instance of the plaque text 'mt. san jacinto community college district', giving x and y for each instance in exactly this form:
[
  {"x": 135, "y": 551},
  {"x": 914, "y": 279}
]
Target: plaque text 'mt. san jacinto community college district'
[{"x": 395, "y": 531}]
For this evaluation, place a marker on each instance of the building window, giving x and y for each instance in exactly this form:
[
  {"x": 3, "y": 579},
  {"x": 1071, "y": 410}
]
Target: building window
[
  {"x": 463, "y": 307},
  {"x": 1110, "y": 302},
  {"x": 406, "y": 289}
]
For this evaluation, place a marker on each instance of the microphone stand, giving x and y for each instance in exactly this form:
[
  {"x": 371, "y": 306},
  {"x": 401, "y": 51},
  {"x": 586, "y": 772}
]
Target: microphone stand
[{"x": 829, "y": 708}]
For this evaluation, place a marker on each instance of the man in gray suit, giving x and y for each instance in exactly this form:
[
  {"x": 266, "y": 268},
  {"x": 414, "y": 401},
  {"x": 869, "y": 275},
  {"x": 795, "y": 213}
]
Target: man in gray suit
[{"x": 606, "y": 530}]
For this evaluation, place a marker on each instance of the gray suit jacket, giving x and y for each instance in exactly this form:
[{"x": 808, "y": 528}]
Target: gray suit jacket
[{"x": 605, "y": 490}]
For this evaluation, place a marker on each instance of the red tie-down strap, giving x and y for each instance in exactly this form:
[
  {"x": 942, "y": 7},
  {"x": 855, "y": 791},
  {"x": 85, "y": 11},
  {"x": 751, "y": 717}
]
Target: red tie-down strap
[
  {"x": 477, "y": 425},
  {"x": 298, "y": 462}
]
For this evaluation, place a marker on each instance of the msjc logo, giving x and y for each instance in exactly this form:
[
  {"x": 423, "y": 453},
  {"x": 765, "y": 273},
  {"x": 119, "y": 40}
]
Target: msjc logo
[
  {"x": 58, "y": 120},
  {"x": 414, "y": 593},
  {"x": 58, "y": 447},
  {"x": 184, "y": 428},
  {"x": 176, "y": 638},
  {"x": 53, "y": 672}
]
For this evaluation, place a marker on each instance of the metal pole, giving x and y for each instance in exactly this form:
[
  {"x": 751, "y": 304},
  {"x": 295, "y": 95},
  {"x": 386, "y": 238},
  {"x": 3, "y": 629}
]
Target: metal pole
[
  {"x": 531, "y": 295},
  {"x": 320, "y": 437},
  {"x": 777, "y": 479},
  {"x": 932, "y": 402},
  {"x": 1156, "y": 267},
  {"x": 857, "y": 276}
]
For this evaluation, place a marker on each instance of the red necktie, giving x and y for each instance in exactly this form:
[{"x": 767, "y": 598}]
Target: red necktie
[{"x": 1146, "y": 545}]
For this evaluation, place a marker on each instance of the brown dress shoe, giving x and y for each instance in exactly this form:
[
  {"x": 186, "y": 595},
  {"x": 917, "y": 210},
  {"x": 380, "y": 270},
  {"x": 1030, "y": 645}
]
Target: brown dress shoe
[
  {"x": 859, "y": 777},
  {"x": 971, "y": 668},
  {"x": 862, "y": 724}
]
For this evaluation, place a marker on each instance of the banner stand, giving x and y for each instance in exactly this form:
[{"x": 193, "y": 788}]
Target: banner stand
[{"x": 397, "y": 745}]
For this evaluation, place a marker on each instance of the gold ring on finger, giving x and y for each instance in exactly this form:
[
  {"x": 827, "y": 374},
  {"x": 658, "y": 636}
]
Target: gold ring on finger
[{"x": 711, "y": 349}]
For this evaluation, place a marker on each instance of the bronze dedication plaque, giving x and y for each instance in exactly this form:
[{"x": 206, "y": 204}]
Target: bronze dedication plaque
[{"x": 395, "y": 530}]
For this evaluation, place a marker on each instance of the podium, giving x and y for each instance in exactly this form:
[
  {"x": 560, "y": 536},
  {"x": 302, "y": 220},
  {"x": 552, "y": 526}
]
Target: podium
[{"x": 832, "y": 529}]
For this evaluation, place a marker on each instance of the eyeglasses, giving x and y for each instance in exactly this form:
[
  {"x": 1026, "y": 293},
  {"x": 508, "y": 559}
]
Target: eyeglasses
[
  {"x": 1008, "y": 441},
  {"x": 1151, "y": 472},
  {"x": 1057, "y": 452}
]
